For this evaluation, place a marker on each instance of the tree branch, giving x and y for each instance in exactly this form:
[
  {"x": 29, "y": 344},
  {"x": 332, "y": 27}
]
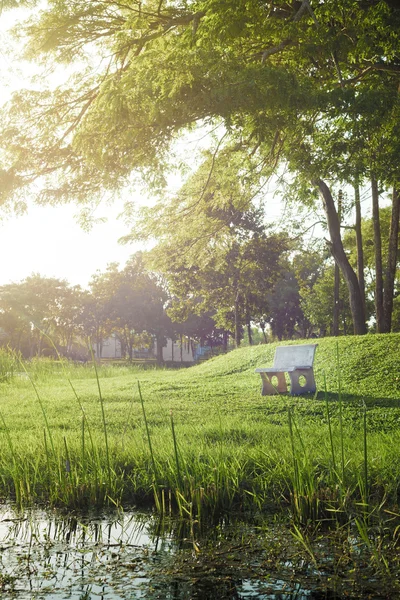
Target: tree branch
[
  {"x": 390, "y": 68},
  {"x": 270, "y": 51},
  {"x": 192, "y": 206},
  {"x": 308, "y": 229}
]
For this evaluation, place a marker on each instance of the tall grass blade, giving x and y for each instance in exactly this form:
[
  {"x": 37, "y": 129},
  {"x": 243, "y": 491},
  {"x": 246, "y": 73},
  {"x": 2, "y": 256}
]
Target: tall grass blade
[
  {"x": 340, "y": 413},
  {"x": 7, "y": 364},
  {"x": 41, "y": 407},
  {"x": 299, "y": 536},
  {"x": 81, "y": 407},
  {"x": 9, "y": 440},
  {"x": 329, "y": 426},
  {"x": 67, "y": 458},
  {"x": 47, "y": 454},
  {"x": 294, "y": 458},
  {"x": 83, "y": 447},
  {"x": 127, "y": 422},
  {"x": 380, "y": 560},
  {"x": 14, "y": 459},
  {"x": 365, "y": 456},
  {"x": 148, "y": 433},
  {"x": 178, "y": 469},
  {"x": 103, "y": 415}
]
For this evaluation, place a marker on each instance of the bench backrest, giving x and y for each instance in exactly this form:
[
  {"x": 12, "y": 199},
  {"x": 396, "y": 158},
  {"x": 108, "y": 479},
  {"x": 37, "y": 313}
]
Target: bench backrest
[{"x": 295, "y": 356}]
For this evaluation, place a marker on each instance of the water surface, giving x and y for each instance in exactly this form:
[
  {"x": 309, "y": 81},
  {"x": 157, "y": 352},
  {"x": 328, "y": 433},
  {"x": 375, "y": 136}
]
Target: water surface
[{"x": 124, "y": 555}]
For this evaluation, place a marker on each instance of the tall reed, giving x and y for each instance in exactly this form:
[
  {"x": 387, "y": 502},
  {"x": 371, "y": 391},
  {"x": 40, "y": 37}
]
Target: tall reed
[
  {"x": 15, "y": 469},
  {"x": 340, "y": 413},
  {"x": 103, "y": 415},
  {"x": 365, "y": 490},
  {"x": 148, "y": 435},
  {"x": 329, "y": 426},
  {"x": 178, "y": 469},
  {"x": 7, "y": 364}
]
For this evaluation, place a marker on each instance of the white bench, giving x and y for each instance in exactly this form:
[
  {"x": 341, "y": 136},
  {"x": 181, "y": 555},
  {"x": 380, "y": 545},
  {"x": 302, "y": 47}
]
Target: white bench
[{"x": 298, "y": 362}]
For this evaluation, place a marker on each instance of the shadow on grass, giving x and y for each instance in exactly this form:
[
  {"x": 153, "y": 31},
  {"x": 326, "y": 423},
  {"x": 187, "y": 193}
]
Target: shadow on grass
[{"x": 352, "y": 399}]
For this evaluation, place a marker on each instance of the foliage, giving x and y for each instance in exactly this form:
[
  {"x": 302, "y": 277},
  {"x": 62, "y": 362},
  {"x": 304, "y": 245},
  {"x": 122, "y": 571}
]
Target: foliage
[
  {"x": 129, "y": 303},
  {"x": 367, "y": 228},
  {"x": 211, "y": 424},
  {"x": 285, "y": 313},
  {"x": 212, "y": 248},
  {"x": 39, "y": 307},
  {"x": 318, "y": 303},
  {"x": 314, "y": 87},
  {"x": 8, "y": 363},
  {"x": 278, "y": 75}
]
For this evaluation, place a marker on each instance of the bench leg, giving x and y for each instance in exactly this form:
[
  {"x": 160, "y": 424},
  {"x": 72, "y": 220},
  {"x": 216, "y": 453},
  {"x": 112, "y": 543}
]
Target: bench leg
[
  {"x": 310, "y": 386},
  {"x": 268, "y": 389}
]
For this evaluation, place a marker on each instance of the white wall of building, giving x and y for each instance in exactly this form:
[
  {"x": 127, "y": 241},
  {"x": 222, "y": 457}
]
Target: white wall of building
[
  {"x": 172, "y": 351},
  {"x": 111, "y": 348}
]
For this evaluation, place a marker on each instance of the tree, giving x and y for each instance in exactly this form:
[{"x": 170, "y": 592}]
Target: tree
[
  {"x": 69, "y": 322},
  {"x": 212, "y": 247},
  {"x": 141, "y": 300},
  {"x": 387, "y": 230},
  {"x": 284, "y": 307},
  {"x": 317, "y": 303},
  {"x": 38, "y": 308},
  {"x": 128, "y": 303},
  {"x": 391, "y": 265},
  {"x": 13, "y": 321},
  {"x": 278, "y": 77}
]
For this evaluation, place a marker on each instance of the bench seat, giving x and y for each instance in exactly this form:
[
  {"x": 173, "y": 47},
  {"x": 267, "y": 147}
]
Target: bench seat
[{"x": 295, "y": 360}]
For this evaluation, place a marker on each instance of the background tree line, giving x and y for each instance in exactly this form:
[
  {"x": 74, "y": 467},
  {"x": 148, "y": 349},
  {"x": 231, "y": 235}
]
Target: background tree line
[
  {"x": 241, "y": 282},
  {"x": 305, "y": 88}
]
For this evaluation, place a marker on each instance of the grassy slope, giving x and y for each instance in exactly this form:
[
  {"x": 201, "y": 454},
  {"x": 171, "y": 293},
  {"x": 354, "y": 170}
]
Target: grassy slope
[{"x": 233, "y": 445}]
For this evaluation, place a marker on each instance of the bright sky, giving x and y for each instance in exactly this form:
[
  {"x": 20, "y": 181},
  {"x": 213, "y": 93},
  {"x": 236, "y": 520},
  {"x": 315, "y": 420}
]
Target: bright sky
[{"x": 49, "y": 240}]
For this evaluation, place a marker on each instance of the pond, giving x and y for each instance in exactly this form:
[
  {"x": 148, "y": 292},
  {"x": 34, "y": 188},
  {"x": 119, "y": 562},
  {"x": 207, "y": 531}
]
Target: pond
[{"x": 119, "y": 555}]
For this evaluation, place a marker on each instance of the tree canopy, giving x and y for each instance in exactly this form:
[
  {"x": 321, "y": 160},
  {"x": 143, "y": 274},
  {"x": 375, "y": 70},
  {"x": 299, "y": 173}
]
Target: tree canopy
[
  {"x": 311, "y": 84},
  {"x": 274, "y": 72}
]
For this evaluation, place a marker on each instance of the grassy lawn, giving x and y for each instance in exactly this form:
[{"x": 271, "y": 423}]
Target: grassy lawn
[{"x": 203, "y": 438}]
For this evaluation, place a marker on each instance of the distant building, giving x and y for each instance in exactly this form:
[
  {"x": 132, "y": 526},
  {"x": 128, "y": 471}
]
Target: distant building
[
  {"x": 174, "y": 352},
  {"x": 187, "y": 352},
  {"x": 111, "y": 348}
]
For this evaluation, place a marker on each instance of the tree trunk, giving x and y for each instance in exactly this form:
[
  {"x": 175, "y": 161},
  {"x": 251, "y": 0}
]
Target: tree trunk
[
  {"x": 390, "y": 273},
  {"x": 336, "y": 298},
  {"x": 237, "y": 320},
  {"x": 380, "y": 327},
  {"x": 264, "y": 334},
  {"x": 335, "y": 325},
  {"x": 344, "y": 324},
  {"x": 225, "y": 341},
  {"x": 359, "y": 243},
  {"x": 338, "y": 253},
  {"x": 248, "y": 323}
]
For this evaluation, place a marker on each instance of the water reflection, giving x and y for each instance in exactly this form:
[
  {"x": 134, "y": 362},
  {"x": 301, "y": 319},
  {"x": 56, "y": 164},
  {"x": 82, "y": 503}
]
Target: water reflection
[
  {"x": 124, "y": 555},
  {"x": 46, "y": 554}
]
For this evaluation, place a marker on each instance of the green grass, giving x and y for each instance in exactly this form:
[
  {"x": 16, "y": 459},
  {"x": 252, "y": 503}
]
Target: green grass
[{"x": 203, "y": 440}]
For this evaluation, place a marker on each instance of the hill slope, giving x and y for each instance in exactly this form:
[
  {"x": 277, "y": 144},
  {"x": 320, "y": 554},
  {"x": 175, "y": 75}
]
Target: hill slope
[{"x": 369, "y": 365}]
